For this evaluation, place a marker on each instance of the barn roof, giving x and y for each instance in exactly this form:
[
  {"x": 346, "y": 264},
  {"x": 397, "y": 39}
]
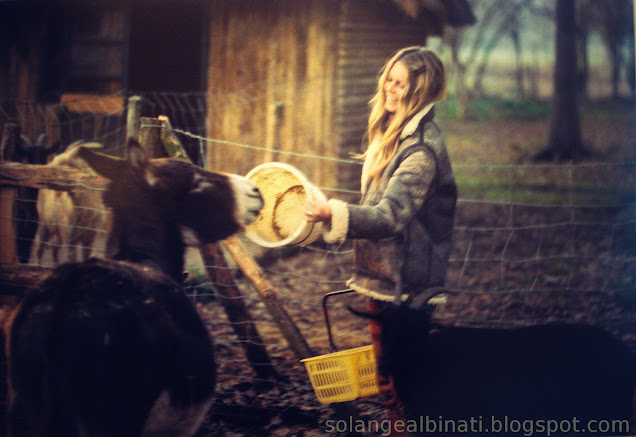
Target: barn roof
[{"x": 436, "y": 14}]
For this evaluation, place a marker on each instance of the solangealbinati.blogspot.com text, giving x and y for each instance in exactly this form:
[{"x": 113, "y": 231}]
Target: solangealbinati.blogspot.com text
[{"x": 480, "y": 424}]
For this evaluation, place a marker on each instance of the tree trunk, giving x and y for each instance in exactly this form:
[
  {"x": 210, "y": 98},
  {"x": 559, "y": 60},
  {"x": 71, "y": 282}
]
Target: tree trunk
[
  {"x": 463, "y": 94},
  {"x": 521, "y": 89},
  {"x": 564, "y": 143},
  {"x": 583, "y": 64}
]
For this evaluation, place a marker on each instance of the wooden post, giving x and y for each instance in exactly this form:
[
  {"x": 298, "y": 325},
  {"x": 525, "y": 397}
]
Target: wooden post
[
  {"x": 8, "y": 253},
  {"x": 150, "y": 137},
  {"x": 133, "y": 117},
  {"x": 171, "y": 143},
  {"x": 8, "y": 151},
  {"x": 343, "y": 410},
  {"x": 237, "y": 312},
  {"x": 252, "y": 270},
  {"x": 272, "y": 133},
  {"x": 230, "y": 297}
]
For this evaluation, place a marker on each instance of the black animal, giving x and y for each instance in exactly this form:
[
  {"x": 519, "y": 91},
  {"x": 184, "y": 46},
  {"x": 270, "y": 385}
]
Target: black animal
[
  {"x": 531, "y": 375},
  {"x": 114, "y": 347}
]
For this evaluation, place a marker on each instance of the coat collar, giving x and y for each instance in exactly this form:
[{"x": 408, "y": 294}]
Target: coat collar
[
  {"x": 408, "y": 130},
  {"x": 414, "y": 122}
]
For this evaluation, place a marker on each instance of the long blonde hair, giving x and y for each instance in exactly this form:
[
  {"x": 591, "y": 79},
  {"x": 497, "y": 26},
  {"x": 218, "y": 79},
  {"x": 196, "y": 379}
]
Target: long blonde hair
[{"x": 426, "y": 85}]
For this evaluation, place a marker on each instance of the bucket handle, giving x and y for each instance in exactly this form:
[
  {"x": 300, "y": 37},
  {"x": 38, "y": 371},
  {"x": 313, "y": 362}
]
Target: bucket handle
[{"x": 324, "y": 310}]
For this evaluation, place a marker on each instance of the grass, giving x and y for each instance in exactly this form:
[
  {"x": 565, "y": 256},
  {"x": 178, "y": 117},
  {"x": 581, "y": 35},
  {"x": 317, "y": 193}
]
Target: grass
[
  {"x": 493, "y": 108},
  {"x": 540, "y": 190},
  {"x": 493, "y": 154}
]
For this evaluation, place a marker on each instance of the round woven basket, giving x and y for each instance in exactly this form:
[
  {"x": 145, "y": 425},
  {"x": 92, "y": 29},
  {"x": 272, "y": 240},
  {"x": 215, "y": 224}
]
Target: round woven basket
[{"x": 281, "y": 221}]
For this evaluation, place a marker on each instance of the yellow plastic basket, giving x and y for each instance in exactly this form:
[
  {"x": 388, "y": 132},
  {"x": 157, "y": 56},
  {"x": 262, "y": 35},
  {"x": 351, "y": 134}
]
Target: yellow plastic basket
[{"x": 343, "y": 376}]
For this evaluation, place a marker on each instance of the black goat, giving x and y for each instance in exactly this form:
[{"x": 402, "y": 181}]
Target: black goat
[
  {"x": 114, "y": 347},
  {"x": 555, "y": 372}
]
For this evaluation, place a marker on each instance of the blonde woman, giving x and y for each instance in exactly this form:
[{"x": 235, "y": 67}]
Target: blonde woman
[{"x": 403, "y": 224}]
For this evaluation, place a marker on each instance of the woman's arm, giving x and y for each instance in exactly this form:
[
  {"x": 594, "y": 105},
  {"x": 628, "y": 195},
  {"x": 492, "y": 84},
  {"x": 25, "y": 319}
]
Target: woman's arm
[{"x": 405, "y": 193}]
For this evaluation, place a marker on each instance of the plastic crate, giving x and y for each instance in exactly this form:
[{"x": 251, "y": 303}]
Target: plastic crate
[{"x": 343, "y": 376}]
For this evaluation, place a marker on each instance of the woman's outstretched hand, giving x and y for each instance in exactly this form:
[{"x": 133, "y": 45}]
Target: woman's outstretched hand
[{"x": 317, "y": 210}]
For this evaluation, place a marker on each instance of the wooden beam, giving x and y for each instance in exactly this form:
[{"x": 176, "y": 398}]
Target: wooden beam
[
  {"x": 18, "y": 279},
  {"x": 265, "y": 289},
  {"x": 133, "y": 116},
  {"x": 42, "y": 176},
  {"x": 230, "y": 297},
  {"x": 236, "y": 310}
]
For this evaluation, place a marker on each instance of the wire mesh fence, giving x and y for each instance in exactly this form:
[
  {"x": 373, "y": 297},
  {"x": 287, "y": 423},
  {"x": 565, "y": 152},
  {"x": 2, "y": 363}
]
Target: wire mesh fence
[{"x": 532, "y": 244}]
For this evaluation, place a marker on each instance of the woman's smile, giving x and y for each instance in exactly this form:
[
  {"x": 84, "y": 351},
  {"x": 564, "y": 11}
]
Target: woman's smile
[{"x": 394, "y": 86}]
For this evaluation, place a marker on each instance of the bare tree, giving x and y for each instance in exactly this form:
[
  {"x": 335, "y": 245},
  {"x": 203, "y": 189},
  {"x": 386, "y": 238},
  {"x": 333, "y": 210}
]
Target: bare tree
[
  {"x": 507, "y": 25},
  {"x": 584, "y": 19},
  {"x": 616, "y": 26},
  {"x": 613, "y": 21},
  {"x": 471, "y": 49}
]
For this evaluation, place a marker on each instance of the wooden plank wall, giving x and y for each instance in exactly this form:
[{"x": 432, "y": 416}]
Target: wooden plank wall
[
  {"x": 271, "y": 82},
  {"x": 369, "y": 33}
]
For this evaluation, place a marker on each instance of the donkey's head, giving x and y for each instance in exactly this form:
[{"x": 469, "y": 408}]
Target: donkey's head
[{"x": 160, "y": 205}]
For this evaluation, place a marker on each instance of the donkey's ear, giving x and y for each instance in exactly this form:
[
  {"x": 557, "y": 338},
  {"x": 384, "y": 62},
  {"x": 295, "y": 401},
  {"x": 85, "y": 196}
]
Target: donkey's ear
[
  {"x": 25, "y": 141},
  {"x": 42, "y": 140},
  {"x": 135, "y": 154},
  {"x": 107, "y": 166}
]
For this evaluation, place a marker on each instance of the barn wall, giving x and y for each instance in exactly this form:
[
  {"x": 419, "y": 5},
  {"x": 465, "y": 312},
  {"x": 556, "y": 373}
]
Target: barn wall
[
  {"x": 23, "y": 33},
  {"x": 271, "y": 81},
  {"x": 368, "y": 34}
]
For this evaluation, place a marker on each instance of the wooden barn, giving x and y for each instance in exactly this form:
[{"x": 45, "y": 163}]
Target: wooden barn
[
  {"x": 285, "y": 75},
  {"x": 297, "y": 75}
]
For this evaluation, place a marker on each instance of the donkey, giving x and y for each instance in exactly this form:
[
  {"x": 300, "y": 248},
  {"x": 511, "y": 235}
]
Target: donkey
[{"x": 114, "y": 347}]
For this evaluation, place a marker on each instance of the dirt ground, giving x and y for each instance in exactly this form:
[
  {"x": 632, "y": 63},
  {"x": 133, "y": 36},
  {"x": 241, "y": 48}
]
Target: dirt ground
[
  {"x": 287, "y": 407},
  {"x": 511, "y": 268}
]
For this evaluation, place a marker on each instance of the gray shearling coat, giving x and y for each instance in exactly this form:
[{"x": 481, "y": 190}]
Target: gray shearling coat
[{"x": 403, "y": 225}]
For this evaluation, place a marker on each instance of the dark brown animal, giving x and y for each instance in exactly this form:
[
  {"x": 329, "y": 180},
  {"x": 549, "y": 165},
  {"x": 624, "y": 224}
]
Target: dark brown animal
[{"x": 114, "y": 347}]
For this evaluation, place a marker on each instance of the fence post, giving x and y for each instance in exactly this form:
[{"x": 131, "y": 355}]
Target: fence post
[
  {"x": 237, "y": 312},
  {"x": 170, "y": 142},
  {"x": 8, "y": 147},
  {"x": 150, "y": 137},
  {"x": 272, "y": 133},
  {"x": 156, "y": 134},
  {"x": 8, "y": 253},
  {"x": 133, "y": 117},
  {"x": 265, "y": 289}
]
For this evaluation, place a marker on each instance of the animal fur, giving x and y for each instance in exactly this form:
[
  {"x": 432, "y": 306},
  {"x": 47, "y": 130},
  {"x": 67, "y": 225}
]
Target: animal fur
[{"x": 114, "y": 347}]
